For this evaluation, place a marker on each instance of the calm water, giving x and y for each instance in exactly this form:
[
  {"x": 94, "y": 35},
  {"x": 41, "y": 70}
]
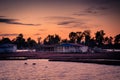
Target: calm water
[{"x": 45, "y": 70}]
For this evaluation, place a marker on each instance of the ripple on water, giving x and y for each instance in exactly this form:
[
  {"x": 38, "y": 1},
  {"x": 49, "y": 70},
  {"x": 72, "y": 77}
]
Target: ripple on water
[{"x": 45, "y": 70}]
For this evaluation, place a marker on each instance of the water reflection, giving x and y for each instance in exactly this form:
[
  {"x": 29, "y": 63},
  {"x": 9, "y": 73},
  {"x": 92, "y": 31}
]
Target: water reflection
[{"x": 45, "y": 70}]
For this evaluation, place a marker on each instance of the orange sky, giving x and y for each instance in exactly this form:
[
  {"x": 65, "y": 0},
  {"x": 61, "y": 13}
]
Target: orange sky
[{"x": 38, "y": 18}]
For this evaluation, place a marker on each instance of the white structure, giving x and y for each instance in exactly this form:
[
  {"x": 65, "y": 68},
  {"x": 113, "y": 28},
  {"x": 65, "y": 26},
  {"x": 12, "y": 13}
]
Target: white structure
[
  {"x": 25, "y": 50},
  {"x": 84, "y": 49},
  {"x": 69, "y": 47},
  {"x": 8, "y": 48}
]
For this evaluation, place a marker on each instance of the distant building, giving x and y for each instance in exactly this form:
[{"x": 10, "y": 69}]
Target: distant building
[
  {"x": 46, "y": 48},
  {"x": 70, "y": 47},
  {"x": 99, "y": 50},
  {"x": 64, "y": 47},
  {"x": 6, "y": 48}
]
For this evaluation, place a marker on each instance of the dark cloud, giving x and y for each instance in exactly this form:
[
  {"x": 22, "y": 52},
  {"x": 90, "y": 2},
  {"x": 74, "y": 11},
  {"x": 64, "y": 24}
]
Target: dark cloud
[
  {"x": 37, "y": 34},
  {"x": 99, "y": 7},
  {"x": 93, "y": 11},
  {"x": 14, "y": 21},
  {"x": 85, "y": 26},
  {"x": 72, "y": 24},
  {"x": 79, "y": 14},
  {"x": 81, "y": 26},
  {"x": 59, "y": 18},
  {"x": 96, "y": 10},
  {"x": 42, "y": 29},
  {"x": 2, "y": 16},
  {"x": 102, "y": 8},
  {"x": 13, "y": 34},
  {"x": 65, "y": 22},
  {"x": 3, "y": 20},
  {"x": 77, "y": 23}
]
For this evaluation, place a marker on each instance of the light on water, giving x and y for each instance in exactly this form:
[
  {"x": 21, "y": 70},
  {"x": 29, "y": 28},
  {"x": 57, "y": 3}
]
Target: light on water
[{"x": 45, "y": 70}]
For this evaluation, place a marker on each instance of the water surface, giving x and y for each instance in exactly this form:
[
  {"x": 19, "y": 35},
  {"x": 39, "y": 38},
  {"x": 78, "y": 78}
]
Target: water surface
[{"x": 45, "y": 70}]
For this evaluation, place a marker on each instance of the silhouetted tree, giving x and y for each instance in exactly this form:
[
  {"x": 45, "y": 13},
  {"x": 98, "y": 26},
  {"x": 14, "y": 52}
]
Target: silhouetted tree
[
  {"x": 52, "y": 39},
  {"x": 65, "y": 41},
  {"x": 20, "y": 41},
  {"x": 79, "y": 36},
  {"x": 87, "y": 37},
  {"x": 5, "y": 40},
  {"x": 72, "y": 37},
  {"x": 39, "y": 39},
  {"x": 31, "y": 43},
  {"x": 92, "y": 42},
  {"x": 108, "y": 42},
  {"x": 117, "y": 41},
  {"x": 99, "y": 35},
  {"x": 57, "y": 39},
  {"x": 48, "y": 40}
]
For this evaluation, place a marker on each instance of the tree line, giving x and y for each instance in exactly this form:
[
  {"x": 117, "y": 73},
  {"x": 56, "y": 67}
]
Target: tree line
[{"x": 85, "y": 38}]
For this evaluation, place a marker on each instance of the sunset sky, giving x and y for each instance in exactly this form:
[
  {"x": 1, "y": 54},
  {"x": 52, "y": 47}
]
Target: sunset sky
[{"x": 38, "y": 18}]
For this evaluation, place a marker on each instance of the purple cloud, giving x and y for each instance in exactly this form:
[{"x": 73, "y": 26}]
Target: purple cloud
[
  {"x": 13, "y": 34},
  {"x": 14, "y": 21}
]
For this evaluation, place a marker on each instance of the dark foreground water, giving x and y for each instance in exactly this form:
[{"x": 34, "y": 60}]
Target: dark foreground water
[{"x": 45, "y": 70}]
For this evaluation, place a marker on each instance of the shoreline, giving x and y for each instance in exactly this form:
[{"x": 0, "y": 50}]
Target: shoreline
[
  {"x": 95, "y": 61},
  {"x": 99, "y": 58}
]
